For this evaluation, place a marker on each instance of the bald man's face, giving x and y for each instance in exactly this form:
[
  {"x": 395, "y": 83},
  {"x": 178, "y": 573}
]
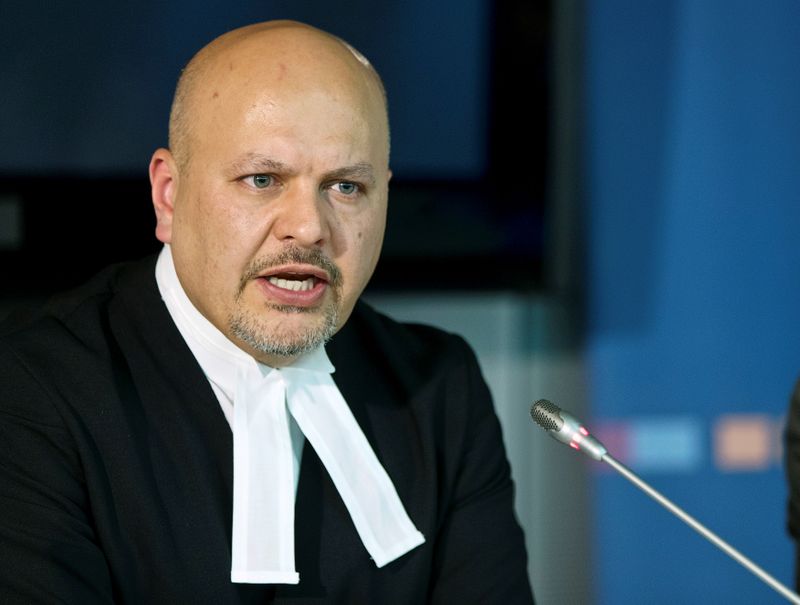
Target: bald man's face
[{"x": 277, "y": 221}]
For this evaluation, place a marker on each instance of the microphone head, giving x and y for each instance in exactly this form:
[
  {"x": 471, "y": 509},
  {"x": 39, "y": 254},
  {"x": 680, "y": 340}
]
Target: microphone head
[
  {"x": 565, "y": 428},
  {"x": 547, "y": 415}
]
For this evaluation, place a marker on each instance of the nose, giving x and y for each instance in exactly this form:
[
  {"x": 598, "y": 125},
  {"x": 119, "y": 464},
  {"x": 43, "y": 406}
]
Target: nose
[{"x": 302, "y": 217}]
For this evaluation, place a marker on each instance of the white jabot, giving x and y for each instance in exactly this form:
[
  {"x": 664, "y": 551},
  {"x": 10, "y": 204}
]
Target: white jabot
[{"x": 267, "y": 408}]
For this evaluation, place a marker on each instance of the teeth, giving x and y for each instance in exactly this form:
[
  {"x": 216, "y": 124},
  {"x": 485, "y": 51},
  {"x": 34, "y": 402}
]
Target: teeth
[{"x": 297, "y": 285}]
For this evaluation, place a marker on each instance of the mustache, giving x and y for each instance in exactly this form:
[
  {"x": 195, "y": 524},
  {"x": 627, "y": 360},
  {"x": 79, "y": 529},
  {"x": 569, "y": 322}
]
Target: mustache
[{"x": 293, "y": 254}]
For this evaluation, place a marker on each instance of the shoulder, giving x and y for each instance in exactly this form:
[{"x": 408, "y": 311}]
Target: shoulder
[
  {"x": 76, "y": 314},
  {"x": 68, "y": 340},
  {"x": 414, "y": 369},
  {"x": 414, "y": 349}
]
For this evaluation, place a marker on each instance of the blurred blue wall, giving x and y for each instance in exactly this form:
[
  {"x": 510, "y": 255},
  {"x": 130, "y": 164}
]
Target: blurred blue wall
[{"x": 692, "y": 153}]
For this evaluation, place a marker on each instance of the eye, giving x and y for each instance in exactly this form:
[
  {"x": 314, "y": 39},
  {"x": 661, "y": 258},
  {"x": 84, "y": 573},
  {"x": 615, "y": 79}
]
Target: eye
[
  {"x": 260, "y": 181},
  {"x": 346, "y": 187}
]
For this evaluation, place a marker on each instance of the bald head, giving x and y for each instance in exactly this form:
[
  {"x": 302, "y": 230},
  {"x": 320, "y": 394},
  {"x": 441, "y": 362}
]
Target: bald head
[{"x": 273, "y": 57}]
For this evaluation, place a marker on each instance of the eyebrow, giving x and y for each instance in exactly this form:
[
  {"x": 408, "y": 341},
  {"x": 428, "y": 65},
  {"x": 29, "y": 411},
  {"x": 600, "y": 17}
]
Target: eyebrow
[
  {"x": 256, "y": 162},
  {"x": 362, "y": 171}
]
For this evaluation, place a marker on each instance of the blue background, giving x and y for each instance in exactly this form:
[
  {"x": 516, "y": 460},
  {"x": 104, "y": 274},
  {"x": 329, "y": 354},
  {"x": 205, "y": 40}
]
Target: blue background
[{"x": 691, "y": 150}]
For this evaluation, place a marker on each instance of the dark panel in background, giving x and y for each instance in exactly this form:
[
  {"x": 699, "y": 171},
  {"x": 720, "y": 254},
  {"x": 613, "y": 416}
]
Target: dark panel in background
[
  {"x": 71, "y": 227},
  {"x": 86, "y": 94}
]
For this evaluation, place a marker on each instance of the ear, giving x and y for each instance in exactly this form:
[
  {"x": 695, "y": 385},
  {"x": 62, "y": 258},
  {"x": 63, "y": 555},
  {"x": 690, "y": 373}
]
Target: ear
[{"x": 163, "y": 186}]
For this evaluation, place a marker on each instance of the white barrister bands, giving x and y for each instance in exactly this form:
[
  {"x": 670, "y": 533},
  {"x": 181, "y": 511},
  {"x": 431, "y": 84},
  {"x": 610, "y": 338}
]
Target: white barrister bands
[
  {"x": 263, "y": 482},
  {"x": 265, "y": 406},
  {"x": 368, "y": 493}
]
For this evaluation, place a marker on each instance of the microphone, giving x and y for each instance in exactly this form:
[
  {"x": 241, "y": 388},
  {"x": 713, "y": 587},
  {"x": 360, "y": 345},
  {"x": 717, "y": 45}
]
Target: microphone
[{"x": 565, "y": 428}]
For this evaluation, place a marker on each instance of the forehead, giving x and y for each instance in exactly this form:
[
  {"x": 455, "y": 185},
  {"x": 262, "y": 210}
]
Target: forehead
[
  {"x": 296, "y": 128},
  {"x": 320, "y": 92}
]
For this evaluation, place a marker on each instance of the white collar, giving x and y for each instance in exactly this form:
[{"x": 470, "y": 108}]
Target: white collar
[
  {"x": 219, "y": 358},
  {"x": 265, "y": 402}
]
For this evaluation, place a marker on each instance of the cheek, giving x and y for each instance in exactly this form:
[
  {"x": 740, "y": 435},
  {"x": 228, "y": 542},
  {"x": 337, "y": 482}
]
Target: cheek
[
  {"x": 367, "y": 243},
  {"x": 218, "y": 239},
  {"x": 232, "y": 228}
]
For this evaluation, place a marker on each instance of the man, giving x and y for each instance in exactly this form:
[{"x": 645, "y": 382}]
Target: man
[{"x": 172, "y": 431}]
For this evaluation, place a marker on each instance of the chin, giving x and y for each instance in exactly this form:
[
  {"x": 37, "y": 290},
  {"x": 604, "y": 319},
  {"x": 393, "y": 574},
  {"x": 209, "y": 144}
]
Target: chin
[{"x": 288, "y": 334}]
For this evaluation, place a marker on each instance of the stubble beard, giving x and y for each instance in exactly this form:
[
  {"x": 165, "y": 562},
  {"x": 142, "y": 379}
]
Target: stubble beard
[{"x": 270, "y": 336}]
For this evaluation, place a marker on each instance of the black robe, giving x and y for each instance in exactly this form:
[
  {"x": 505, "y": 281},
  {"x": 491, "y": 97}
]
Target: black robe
[{"x": 116, "y": 464}]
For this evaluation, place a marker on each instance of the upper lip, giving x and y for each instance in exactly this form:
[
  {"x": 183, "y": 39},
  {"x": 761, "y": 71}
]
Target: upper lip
[{"x": 298, "y": 270}]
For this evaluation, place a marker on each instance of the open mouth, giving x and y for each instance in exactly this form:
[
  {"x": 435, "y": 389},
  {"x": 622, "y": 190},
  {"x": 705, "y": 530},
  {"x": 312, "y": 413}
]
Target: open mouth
[
  {"x": 296, "y": 285},
  {"x": 293, "y": 283}
]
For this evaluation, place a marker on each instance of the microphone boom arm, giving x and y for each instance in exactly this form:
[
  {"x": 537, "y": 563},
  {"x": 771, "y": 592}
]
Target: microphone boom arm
[
  {"x": 700, "y": 528},
  {"x": 565, "y": 428}
]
